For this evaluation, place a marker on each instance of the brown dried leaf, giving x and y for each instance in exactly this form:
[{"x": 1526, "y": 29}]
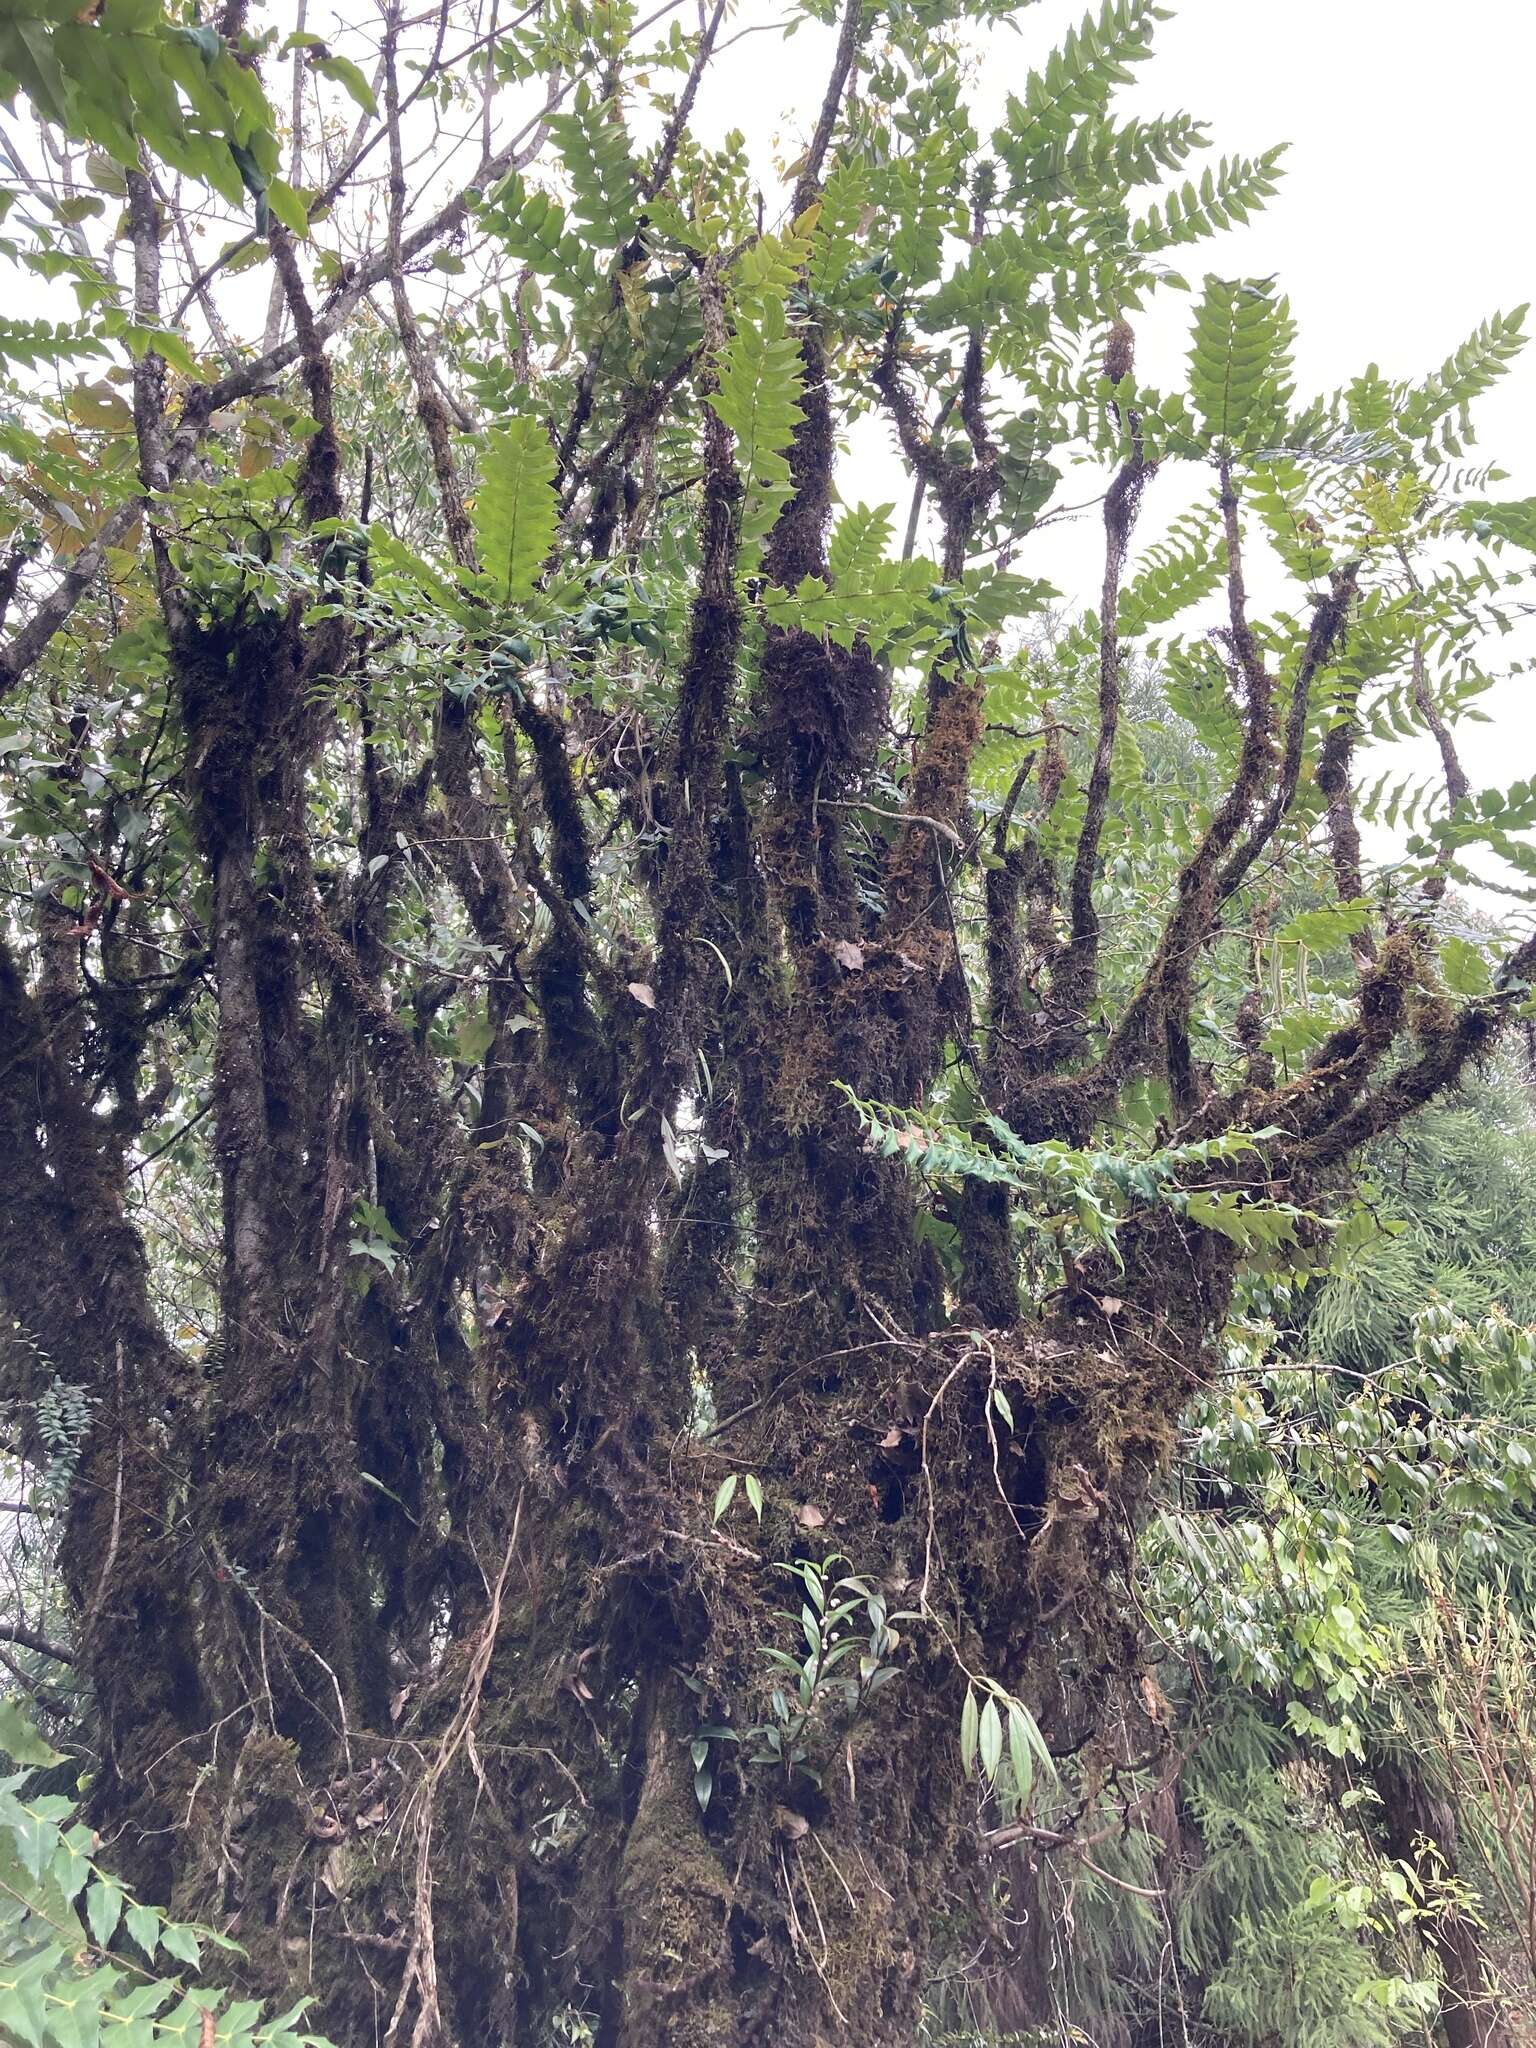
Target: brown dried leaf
[
  {"x": 809, "y": 1517},
  {"x": 847, "y": 954},
  {"x": 643, "y": 994}
]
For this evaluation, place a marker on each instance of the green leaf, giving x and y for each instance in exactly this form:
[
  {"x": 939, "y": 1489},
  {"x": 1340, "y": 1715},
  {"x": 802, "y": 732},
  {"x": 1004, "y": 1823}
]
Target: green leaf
[
  {"x": 288, "y": 206},
  {"x": 1021, "y": 1756},
  {"x": 1074, "y": 85},
  {"x": 181, "y": 1942},
  {"x": 532, "y": 225},
  {"x": 725, "y": 1493},
  {"x": 595, "y": 149},
  {"x": 346, "y": 74},
  {"x": 103, "y": 1909},
  {"x": 1464, "y": 967},
  {"x": 515, "y": 510},
  {"x": 1239, "y": 364},
  {"x": 473, "y": 1040},
  {"x": 760, "y": 379},
  {"x": 143, "y": 1924},
  {"x": 21, "y": 1741},
  {"x": 1476, "y": 367},
  {"x": 968, "y": 1731},
  {"x": 990, "y": 1739},
  {"x": 1224, "y": 197},
  {"x": 858, "y": 544}
]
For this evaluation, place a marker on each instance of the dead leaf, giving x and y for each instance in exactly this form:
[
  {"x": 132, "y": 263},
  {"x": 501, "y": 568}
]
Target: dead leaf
[
  {"x": 809, "y": 1517},
  {"x": 791, "y": 1825},
  {"x": 1111, "y": 1304},
  {"x": 890, "y": 1440},
  {"x": 643, "y": 994},
  {"x": 1154, "y": 1699},
  {"x": 847, "y": 954}
]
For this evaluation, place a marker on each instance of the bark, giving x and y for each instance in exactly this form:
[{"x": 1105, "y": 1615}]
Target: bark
[{"x": 1419, "y": 1829}]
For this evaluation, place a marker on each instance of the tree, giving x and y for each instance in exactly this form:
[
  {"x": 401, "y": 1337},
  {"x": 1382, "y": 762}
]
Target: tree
[
  {"x": 1335, "y": 1847},
  {"x": 733, "y": 1107}
]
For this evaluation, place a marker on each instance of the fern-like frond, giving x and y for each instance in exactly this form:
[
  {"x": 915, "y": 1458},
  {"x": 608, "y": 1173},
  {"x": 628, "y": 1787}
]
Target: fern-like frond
[
  {"x": 917, "y": 200},
  {"x": 1514, "y": 520},
  {"x": 34, "y": 342},
  {"x": 760, "y": 377},
  {"x": 1240, "y": 364},
  {"x": 1483, "y": 358},
  {"x": 837, "y": 242},
  {"x": 1175, "y": 573},
  {"x": 1277, "y": 491},
  {"x": 595, "y": 151},
  {"x": 531, "y": 226},
  {"x": 515, "y": 510},
  {"x": 1224, "y": 196},
  {"x": 1077, "y": 79},
  {"x": 858, "y": 543},
  {"x": 771, "y": 265},
  {"x": 1103, "y": 158}
]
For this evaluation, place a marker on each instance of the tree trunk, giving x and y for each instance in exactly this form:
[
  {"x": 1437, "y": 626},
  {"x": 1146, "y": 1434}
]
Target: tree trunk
[{"x": 1420, "y": 1831}]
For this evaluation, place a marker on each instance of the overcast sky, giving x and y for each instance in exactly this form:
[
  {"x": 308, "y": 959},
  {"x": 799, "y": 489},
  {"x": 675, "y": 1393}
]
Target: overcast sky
[{"x": 1403, "y": 219}]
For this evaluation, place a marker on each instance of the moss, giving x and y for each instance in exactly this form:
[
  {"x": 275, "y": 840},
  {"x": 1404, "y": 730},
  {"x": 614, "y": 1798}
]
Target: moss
[{"x": 675, "y": 1904}]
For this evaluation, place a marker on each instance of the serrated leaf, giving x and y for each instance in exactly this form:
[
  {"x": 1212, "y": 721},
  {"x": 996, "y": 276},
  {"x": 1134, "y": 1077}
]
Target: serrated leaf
[
  {"x": 21, "y": 1741},
  {"x": 181, "y": 1942},
  {"x": 103, "y": 1909}
]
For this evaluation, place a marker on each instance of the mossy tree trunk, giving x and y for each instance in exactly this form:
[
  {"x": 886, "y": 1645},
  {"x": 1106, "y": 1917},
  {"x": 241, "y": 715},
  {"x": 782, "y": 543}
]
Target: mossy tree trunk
[{"x": 515, "y": 938}]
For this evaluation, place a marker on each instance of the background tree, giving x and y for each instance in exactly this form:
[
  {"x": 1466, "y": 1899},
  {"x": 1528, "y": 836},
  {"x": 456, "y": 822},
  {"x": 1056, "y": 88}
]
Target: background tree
[
  {"x": 1335, "y": 1846},
  {"x": 589, "y": 1047}
]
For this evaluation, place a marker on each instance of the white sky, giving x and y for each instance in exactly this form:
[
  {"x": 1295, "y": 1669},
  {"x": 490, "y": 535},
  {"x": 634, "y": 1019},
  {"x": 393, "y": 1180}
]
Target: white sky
[{"x": 1402, "y": 221}]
